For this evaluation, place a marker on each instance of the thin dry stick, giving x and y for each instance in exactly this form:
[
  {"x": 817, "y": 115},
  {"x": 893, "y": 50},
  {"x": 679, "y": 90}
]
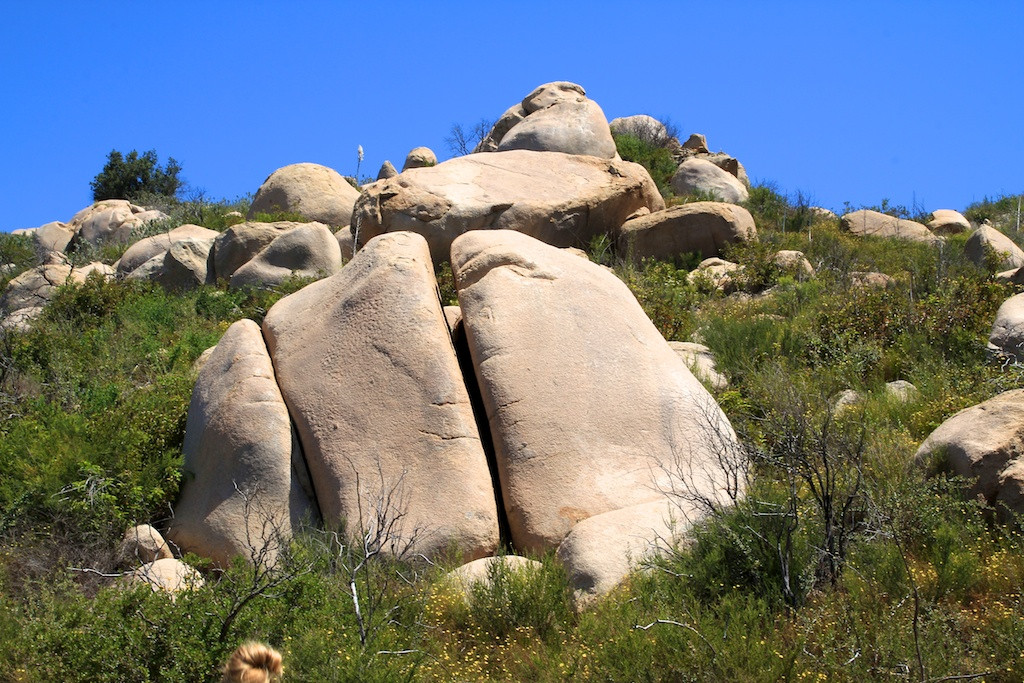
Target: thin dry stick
[{"x": 670, "y": 622}]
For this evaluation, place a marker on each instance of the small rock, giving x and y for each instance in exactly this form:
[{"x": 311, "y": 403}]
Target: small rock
[
  {"x": 902, "y": 390},
  {"x": 166, "y": 575},
  {"x": 387, "y": 170},
  {"x": 420, "y": 157},
  {"x": 143, "y": 544}
]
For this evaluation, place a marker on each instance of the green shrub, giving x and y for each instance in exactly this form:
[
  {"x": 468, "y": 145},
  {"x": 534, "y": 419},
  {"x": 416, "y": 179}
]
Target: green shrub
[
  {"x": 656, "y": 159},
  {"x": 125, "y": 176}
]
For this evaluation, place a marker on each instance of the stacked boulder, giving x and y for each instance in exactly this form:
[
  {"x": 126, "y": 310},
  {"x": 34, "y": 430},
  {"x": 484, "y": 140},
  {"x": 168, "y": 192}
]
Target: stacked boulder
[
  {"x": 555, "y": 117},
  {"x": 387, "y": 429}
]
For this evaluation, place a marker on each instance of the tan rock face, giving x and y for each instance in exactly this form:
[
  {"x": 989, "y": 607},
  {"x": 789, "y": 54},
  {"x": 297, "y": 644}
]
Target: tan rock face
[
  {"x": 147, "y": 248},
  {"x": 419, "y": 157},
  {"x": 794, "y": 262},
  {"x": 585, "y": 400},
  {"x": 317, "y": 192},
  {"x": 166, "y": 575},
  {"x": 948, "y": 222},
  {"x": 987, "y": 239},
  {"x": 237, "y": 245},
  {"x": 569, "y": 127},
  {"x": 875, "y": 224},
  {"x": 143, "y": 544},
  {"x": 366, "y": 364},
  {"x": 704, "y": 227},
  {"x": 1007, "y": 333},
  {"x": 561, "y": 199},
  {"x": 242, "y": 495},
  {"x": 34, "y": 287},
  {"x": 555, "y": 117},
  {"x": 600, "y": 551},
  {"x": 310, "y": 250},
  {"x": 984, "y": 443},
  {"x": 641, "y": 126},
  {"x": 701, "y": 175}
]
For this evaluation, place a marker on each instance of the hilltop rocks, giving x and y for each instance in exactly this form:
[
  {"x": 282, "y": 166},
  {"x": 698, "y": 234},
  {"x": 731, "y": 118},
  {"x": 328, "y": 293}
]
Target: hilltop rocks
[
  {"x": 1007, "y": 334},
  {"x": 948, "y": 222},
  {"x": 702, "y": 176},
  {"x": 147, "y": 248},
  {"x": 875, "y": 224},
  {"x": 704, "y": 227},
  {"x": 561, "y": 199},
  {"x": 54, "y": 236},
  {"x": 640, "y": 126},
  {"x": 569, "y": 392},
  {"x": 241, "y": 496},
  {"x": 555, "y": 117},
  {"x": 110, "y": 220},
  {"x": 420, "y": 157},
  {"x": 387, "y": 170},
  {"x": 984, "y": 443},
  {"x": 317, "y": 192},
  {"x": 366, "y": 365},
  {"x": 27, "y": 294},
  {"x": 308, "y": 250},
  {"x": 987, "y": 239}
]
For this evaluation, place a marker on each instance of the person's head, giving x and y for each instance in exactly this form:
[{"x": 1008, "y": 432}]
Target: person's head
[{"x": 253, "y": 663}]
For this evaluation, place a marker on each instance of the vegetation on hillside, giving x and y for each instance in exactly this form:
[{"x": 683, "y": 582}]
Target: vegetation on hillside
[
  {"x": 125, "y": 176},
  {"x": 843, "y": 562}
]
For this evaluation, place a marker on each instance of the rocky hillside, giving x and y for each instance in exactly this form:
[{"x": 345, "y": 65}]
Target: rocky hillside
[{"x": 582, "y": 404}]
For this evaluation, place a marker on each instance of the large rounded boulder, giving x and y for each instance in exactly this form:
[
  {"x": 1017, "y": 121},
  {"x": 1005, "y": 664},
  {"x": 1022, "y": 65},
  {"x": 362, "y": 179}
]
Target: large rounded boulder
[
  {"x": 701, "y": 227},
  {"x": 987, "y": 243},
  {"x": 366, "y": 364},
  {"x": 868, "y": 223},
  {"x": 241, "y": 494},
  {"x": 700, "y": 176},
  {"x": 317, "y": 192},
  {"x": 562, "y": 199},
  {"x": 310, "y": 250},
  {"x": 589, "y": 408}
]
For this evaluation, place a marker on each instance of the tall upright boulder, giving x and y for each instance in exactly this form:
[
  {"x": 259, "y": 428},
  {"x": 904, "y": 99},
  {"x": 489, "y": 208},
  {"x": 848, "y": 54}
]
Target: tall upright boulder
[
  {"x": 589, "y": 408},
  {"x": 242, "y": 493},
  {"x": 562, "y": 199},
  {"x": 366, "y": 364}
]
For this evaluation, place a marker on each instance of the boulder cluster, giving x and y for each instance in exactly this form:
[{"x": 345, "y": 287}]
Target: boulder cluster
[{"x": 549, "y": 414}]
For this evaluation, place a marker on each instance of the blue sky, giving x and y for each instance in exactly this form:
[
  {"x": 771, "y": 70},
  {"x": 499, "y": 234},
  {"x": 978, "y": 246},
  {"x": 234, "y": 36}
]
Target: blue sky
[{"x": 844, "y": 101}]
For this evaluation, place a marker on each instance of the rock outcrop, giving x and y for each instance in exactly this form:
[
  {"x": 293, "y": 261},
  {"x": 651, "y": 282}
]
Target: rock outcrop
[
  {"x": 564, "y": 200},
  {"x": 555, "y": 117},
  {"x": 866, "y": 222},
  {"x": 987, "y": 240},
  {"x": 317, "y": 192},
  {"x": 703, "y": 227},
  {"x": 309, "y": 250},
  {"x": 589, "y": 408},
  {"x": 701, "y": 176},
  {"x": 366, "y": 364},
  {"x": 948, "y": 222},
  {"x": 419, "y": 157},
  {"x": 242, "y": 493},
  {"x": 1007, "y": 335},
  {"x": 148, "y": 247},
  {"x": 985, "y": 444}
]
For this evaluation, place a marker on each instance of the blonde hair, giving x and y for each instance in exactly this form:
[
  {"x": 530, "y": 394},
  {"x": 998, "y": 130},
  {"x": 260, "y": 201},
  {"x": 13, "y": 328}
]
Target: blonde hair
[{"x": 253, "y": 663}]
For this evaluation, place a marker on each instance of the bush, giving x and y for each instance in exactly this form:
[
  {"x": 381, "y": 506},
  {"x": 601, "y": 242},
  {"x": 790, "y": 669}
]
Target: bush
[
  {"x": 125, "y": 177},
  {"x": 656, "y": 159}
]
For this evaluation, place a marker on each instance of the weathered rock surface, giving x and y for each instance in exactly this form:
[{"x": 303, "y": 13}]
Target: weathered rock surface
[
  {"x": 555, "y": 117},
  {"x": 865, "y": 223},
  {"x": 984, "y": 443},
  {"x": 183, "y": 267},
  {"x": 237, "y": 245},
  {"x": 701, "y": 362},
  {"x": 242, "y": 495},
  {"x": 54, "y": 236},
  {"x": 1007, "y": 334},
  {"x": 846, "y": 399},
  {"x": 600, "y": 551},
  {"x": 166, "y": 575},
  {"x": 387, "y": 170},
  {"x": 142, "y": 544},
  {"x": 366, "y": 364},
  {"x": 576, "y": 434},
  {"x": 35, "y": 287},
  {"x": 987, "y": 239},
  {"x": 704, "y": 227},
  {"x": 640, "y": 126},
  {"x": 317, "y": 192},
  {"x": 948, "y": 222},
  {"x": 346, "y": 242},
  {"x": 562, "y": 199},
  {"x": 701, "y": 175},
  {"x": 716, "y": 273},
  {"x": 861, "y": 278},
  {"x": 109, "y": 220},
  {"x": 147, "y": 248},
  {"x": 794, "y": 262},
  {"x": 310, "y": 250},
  {"x": 419, "y": 157},
  {"x": 901, "y": 390}
]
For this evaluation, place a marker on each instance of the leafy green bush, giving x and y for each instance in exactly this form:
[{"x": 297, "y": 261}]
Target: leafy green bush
[
  {"x": 656, "y": 159},
  {"x": 125, "y": 176}
]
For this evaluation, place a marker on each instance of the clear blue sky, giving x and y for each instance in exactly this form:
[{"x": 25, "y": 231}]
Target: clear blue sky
[{"x": 845, "y": 101}]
